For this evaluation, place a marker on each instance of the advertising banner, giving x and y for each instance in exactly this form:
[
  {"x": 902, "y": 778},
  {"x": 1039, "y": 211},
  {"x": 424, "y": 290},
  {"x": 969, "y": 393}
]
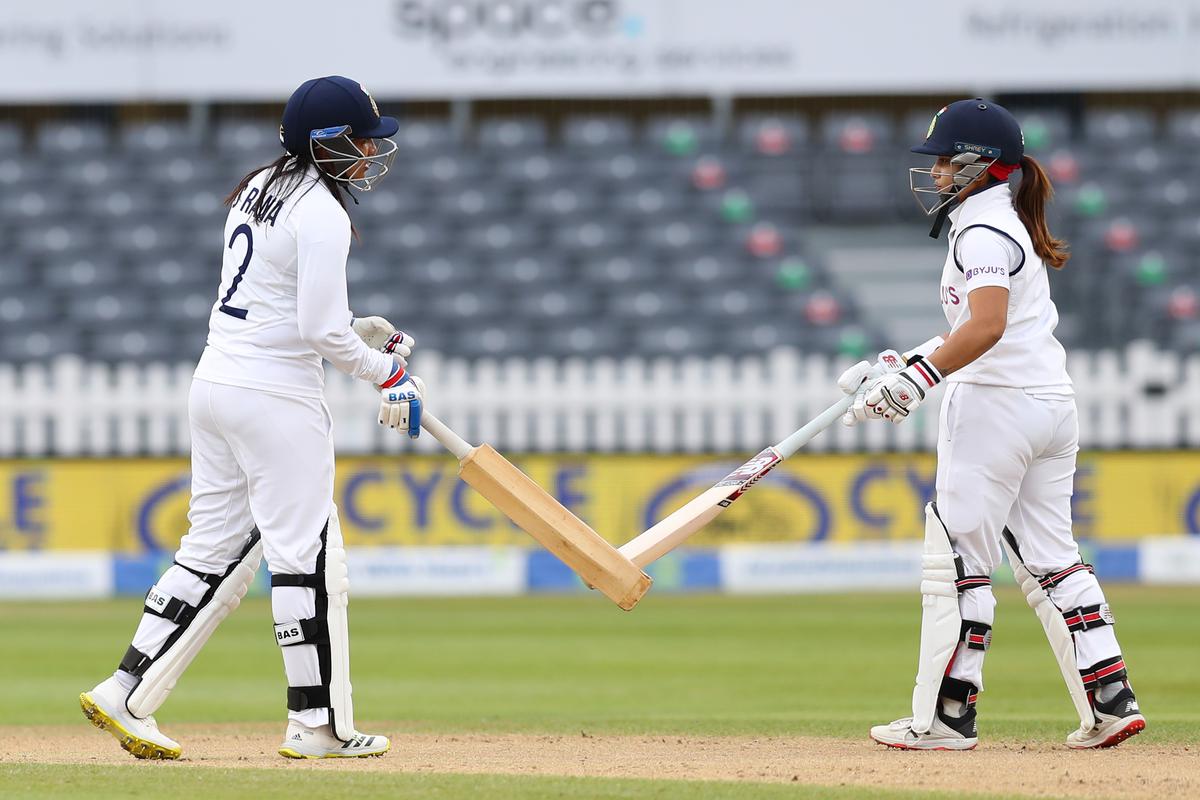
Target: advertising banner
[
  {"x": 82, "y": 50},
  {"x": 140, "y": 506}
]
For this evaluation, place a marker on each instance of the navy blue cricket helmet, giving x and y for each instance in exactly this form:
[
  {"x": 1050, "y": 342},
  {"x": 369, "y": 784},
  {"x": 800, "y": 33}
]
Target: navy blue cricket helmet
[
  {"x": 975, "y": 135},
  {"x": 331, "y": 111}
]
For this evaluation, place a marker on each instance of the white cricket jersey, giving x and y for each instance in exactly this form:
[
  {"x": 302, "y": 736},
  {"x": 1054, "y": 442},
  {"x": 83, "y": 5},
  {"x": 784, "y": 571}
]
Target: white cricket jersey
[
  {"x": 281, "y": 306},
  {"x": 989, "y": 246}
]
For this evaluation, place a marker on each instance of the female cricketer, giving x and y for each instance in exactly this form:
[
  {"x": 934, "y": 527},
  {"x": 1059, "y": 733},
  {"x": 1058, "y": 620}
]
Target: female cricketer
[
  {"x": 262, "y": 450},
  {"x": 1008, "y": 436}
]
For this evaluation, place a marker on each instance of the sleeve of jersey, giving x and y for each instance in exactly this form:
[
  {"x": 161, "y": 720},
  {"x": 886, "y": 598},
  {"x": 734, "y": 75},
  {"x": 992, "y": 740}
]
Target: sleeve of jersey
[
  {"x": 322, "y": 308},
  {"x": 986, "y": 258}
]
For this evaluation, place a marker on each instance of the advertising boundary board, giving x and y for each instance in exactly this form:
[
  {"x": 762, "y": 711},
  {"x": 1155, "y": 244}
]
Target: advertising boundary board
[{"x": 139, "y": 50}]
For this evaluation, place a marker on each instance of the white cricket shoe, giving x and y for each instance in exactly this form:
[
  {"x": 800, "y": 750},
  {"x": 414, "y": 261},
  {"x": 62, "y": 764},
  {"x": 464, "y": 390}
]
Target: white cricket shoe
[
  {"x": 1116, "y": 721},
  {"x": 301, "y": 741},
  {"x": 104, "y": 707},
  {"x": 946, "y": 733}
]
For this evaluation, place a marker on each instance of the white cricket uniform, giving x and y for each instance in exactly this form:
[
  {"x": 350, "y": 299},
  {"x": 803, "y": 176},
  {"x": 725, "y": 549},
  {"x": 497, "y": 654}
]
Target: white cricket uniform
[
  {"x": 1008, "y": 430},
  {"x": 262, "y": 447}
]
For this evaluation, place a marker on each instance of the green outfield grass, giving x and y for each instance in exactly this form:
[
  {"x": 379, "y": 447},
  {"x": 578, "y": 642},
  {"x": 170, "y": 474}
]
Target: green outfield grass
[
  {"x": 703, "y": 665},
  {"x": 53, "y": 782},
  {"x": 827, "y": 665}
]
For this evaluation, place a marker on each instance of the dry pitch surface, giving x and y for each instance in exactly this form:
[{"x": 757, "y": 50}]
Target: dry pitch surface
[{"x": 1042, "y": 770}]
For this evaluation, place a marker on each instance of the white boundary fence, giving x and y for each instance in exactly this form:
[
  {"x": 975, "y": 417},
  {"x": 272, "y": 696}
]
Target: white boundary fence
[{"x": 1140, "y": 397}]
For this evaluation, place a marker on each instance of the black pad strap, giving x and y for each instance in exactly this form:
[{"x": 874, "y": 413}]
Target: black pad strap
[
  {"x": 1085, "y": 618},
  {"x": 212, "y": 580},
  {"x": 1110, "y": 670},
  {"x": 977, "y": 635},
  {"x": 302, "y": 698},
  {"x": 170, "y": 608},
  {"x": 136, "y": 662},
  {"x": 303, "y": 631},
  {"x": 972, "y": 582},
  {"x": 963, "y": 691},
  {"x": 314, "y": 581},
  {"x": 1048, "y": 582}
]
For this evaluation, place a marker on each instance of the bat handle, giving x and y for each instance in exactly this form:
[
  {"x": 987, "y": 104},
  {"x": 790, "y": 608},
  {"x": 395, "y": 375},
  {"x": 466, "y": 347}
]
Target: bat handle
[
  {"x": 448, "y": 438},
  {"x": 791, "y": 444}
]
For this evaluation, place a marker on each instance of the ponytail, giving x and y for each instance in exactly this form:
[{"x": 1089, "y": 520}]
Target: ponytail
[{"x": 1032, "y": 195}]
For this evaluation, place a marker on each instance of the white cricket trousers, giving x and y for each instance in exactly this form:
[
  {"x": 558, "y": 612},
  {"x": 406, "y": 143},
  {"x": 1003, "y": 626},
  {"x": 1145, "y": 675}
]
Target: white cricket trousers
[
  {"x": 1006, "y": 458},
  {"x": 258, "y": 460}
]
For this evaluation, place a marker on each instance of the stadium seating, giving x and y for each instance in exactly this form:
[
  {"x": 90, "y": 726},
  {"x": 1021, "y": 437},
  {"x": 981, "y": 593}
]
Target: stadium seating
[{"x": 594, "y": 234}]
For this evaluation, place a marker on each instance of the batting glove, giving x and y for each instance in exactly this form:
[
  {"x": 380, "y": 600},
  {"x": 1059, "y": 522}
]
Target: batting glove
[
  {"x": 400, "y": 344},
  {"x": 375, "y": 331},
  {"x": 893, "y": 397},
  {"x": 401, "y": 399},
  {"x": 856, "y": 380}
]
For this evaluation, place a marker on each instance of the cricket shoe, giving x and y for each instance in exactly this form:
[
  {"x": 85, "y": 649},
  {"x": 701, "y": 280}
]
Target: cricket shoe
[
  {"x": 301, "y": 741},
  {"x": 1116, "y": 721},
  {"x": 104, "y": 707},
  {"x": 946, "y": 733}
]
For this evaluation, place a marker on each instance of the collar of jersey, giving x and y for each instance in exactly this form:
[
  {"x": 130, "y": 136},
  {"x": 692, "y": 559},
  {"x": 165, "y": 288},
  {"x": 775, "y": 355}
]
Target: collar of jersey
[{"x": 981, "y": 201}]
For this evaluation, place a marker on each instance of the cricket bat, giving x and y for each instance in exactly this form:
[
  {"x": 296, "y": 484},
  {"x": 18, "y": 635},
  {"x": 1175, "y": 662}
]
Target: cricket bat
[
  {"x": 672, "y": 531},
  {"x": 548, "y": 521}
]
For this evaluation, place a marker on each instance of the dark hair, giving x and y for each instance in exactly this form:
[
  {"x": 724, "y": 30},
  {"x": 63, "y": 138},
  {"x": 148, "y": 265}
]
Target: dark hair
[
  {"x": 287, "y": 174},
  {"x": 1032, "y": 195}
]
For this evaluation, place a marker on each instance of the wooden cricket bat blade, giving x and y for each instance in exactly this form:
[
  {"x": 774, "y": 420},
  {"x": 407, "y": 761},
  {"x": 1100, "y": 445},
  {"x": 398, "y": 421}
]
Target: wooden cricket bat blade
[
  {"x": 669, "y": 533},
  {"x": 554, "y": 526}
]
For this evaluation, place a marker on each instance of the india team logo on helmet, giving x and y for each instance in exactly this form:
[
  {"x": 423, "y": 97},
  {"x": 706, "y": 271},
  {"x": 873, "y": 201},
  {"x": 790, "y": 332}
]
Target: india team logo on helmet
[
  {"x": 933, "y": 122},
  {"x": 374, "y": 107}
]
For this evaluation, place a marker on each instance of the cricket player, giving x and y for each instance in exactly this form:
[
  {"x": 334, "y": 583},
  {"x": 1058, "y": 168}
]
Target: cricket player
[
  {"x": 1008, "y": 435},
  {"x": 262, "y": 451}
]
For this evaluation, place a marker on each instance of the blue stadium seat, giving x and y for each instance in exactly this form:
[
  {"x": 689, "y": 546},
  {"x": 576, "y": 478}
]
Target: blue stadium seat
[
  {"x": 511, "y": 134},
  {"x": 72, "y": 138},
  {"x": 597, "y": 132}
]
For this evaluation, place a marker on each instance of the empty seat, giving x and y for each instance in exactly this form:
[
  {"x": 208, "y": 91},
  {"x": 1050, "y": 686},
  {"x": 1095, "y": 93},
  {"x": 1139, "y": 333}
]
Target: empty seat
[
  {"x": 141, "y": 343},
  {"x": 186, "y": 307},
  {"x": 588, "y": 235},
  {"x": 703, "y": 270},
  {"x": 1183, "y": 126},
  {"x": 84, "y": 274},
  {"x": 419, "y": 137},
  {"x": 495, "y": 340},
  {"x": 679, "y": 235},
  {"x": 526, "y": 270},
  {"x": 648, "y": 201},
  {"x": 562, "y": 201},
  {"x": 108, "y": 307},
  {"x": 501, "y": 235},
  {"x": 648, "y": 303},
  {"x": 178, "y": 274},
  {"x": 151, "y": 138},
  {"x": 619, "y": 270},
  {"x": 1118, "y": 128},
  {"x": 735, "y": 304},
  {"x": 473, "y": 200},
  {"x": 592, "y": 337},
  {"x": 620, "y": 167},
  {"x": 27, "y": 308},
  {"x": 440, "y": 272},
  {"x": 466, "y": 306},
  {"x": 248, "y": 138},
  {"x": 72, "y": 138},
  {"x": 856, "y": 133},
  {"x": 120, "y": 206},
  {"x": 596, "y": 132},
  {"x": 12, "y": 139},
  {"x": 413, "y": 236},
  {"x": 1043, "y": 129},
  {"x": 511, "y": 134},
  {"x": 37, "y": 342},
  {"x": 16, "y": 172},
  {"x": 681, "y": 135},
  {"x": 535, "y": 168},
  {"x": 538, "y": 303},
  {"x": 441, "y": 169},
  {"x": 34, "y": 205},
  {"x": 773, "y": 135},
  {"x": 675, "y": 338}
]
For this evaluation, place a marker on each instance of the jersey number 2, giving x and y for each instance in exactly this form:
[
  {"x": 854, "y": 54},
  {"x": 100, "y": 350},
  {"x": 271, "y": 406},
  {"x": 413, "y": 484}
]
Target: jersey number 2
[{"x": 240, "y": 230}]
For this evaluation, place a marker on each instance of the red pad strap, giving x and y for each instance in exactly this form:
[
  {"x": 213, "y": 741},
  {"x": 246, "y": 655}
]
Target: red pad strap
[{"x": 395, "y": 378}]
